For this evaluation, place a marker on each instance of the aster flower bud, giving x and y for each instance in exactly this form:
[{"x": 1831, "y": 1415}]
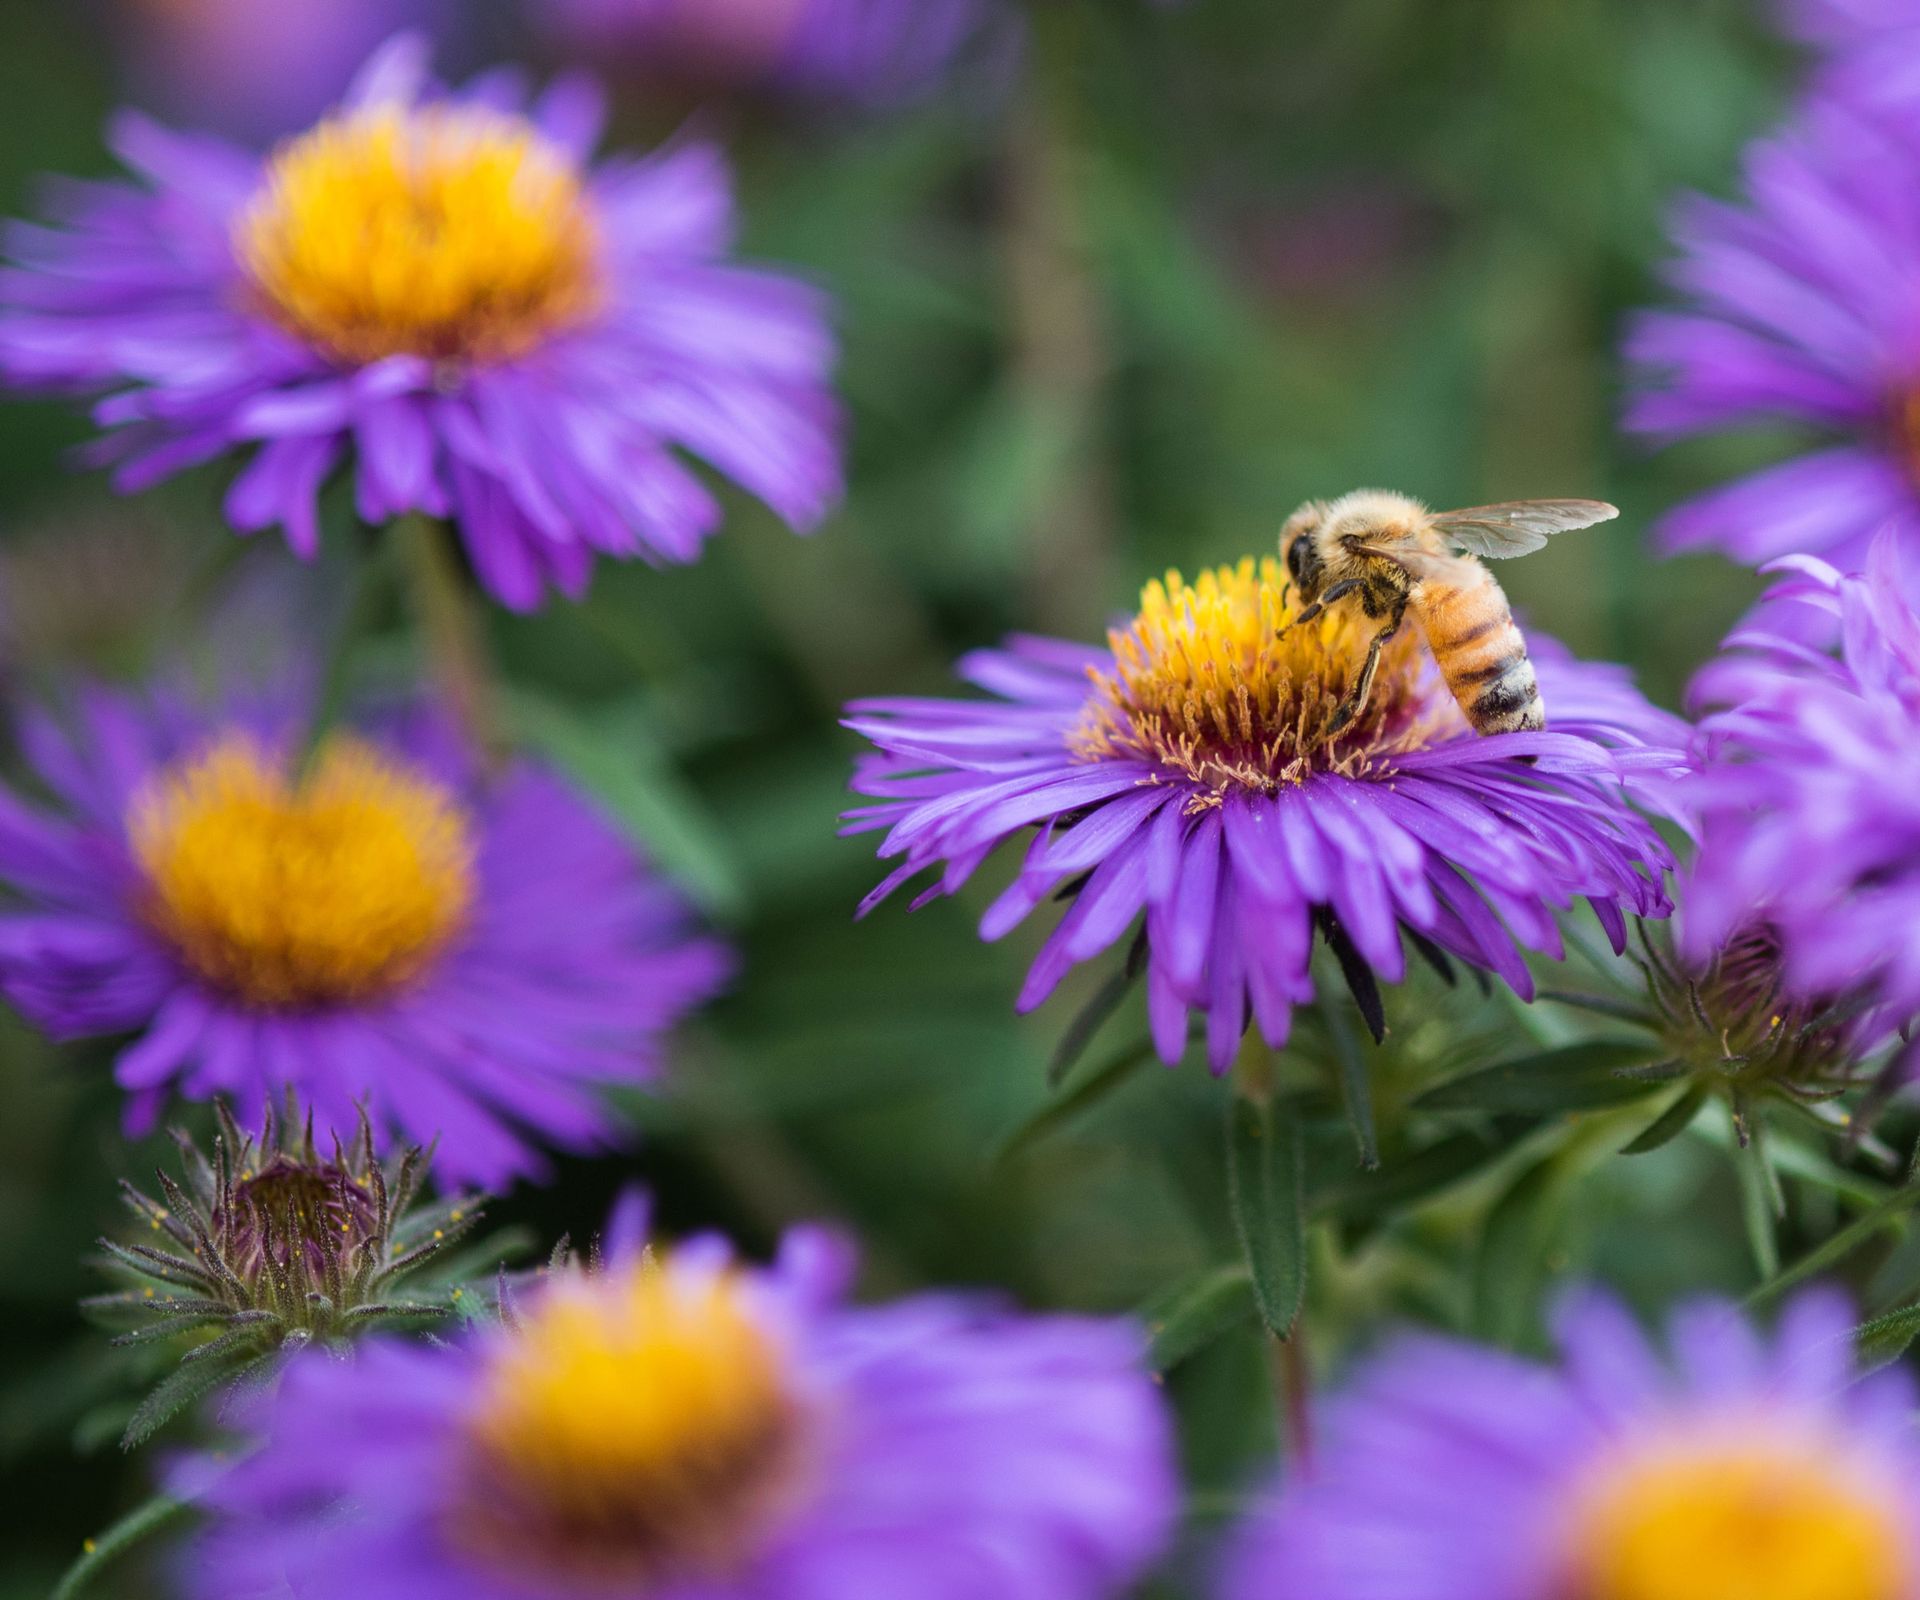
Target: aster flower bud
[
  {"x": 273, "y": 1243},
  {"x": 1728, "y": 1023},
  {"x": 1731, "y": 1016}
]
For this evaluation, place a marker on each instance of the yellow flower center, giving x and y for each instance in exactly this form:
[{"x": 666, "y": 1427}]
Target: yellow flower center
[
  {"x": 451, "y": 232},
  {"x": 1217, "y": 683},
  {"x": 632, "y": 1427},
  {"x": 1739, "y": 1518},
  {"x": 341, "y": 885}
]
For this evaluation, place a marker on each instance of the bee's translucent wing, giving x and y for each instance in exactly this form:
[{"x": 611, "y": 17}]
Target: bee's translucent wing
[
  {"x": 1409, "y": 558},
  {"x": 1517, "y": 527}
]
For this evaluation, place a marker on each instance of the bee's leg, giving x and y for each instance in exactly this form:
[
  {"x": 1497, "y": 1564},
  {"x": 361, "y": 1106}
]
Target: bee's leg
[
  {"x": 1339, "y": 591},
  {"x": 1357, "y": 696}
]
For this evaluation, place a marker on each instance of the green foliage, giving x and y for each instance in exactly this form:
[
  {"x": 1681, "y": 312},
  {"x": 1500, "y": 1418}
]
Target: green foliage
[{"x": 1266, "y": 1185}]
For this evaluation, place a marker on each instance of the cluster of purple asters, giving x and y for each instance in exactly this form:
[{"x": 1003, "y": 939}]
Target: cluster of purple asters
[
  {"x": 436, "y": 289},
  {"x": 1186, "y": 781},
  {"x": 672, "y": 1425},
  {"x": 385, "y": 922}
]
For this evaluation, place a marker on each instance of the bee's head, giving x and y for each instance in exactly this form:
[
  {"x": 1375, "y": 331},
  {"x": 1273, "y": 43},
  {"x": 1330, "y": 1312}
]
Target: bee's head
[
  {"x": 1371, "y": 516},
  {"x": 1298, "y": 545}
]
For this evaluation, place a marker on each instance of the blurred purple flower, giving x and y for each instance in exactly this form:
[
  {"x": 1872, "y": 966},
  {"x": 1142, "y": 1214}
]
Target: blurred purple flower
[
  {"x": 466, "y": 953},
  {"x": 1808, "y": 815},
  {"x": 529, "y": 365},
  {"x": 1870, "y": 49},
  {"x": 1185, "y": 774},
  {"x": 1804, "y": 309},
  {"x": 865, "y": 51},
  {"x": 1762, "y": 1470},
  {"x": 255, "y": 71},
  {"x": 679, "y": 1427}
]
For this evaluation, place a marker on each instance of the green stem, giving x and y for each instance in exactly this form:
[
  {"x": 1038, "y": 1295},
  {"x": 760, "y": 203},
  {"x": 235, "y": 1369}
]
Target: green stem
[
  {"x": 1293, "y": 1395},
  {"x": 1254, "y": 1072},
  {"x": 453, "y": 631},
  {"x": 1062, "y": 362},
  {"x": 137, "y": 1526},
  {"x": 356, "y": 611}
]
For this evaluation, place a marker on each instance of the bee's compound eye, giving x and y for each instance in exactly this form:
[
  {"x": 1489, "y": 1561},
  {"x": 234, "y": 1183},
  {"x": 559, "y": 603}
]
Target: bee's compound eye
[{"x": 1299, "y": 552}]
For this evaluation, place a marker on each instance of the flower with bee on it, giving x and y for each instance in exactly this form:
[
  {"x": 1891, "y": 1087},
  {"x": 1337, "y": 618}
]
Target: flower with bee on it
[
  {"x": 1193, "y": 780},
  {"x": 272, "y": 1242}
]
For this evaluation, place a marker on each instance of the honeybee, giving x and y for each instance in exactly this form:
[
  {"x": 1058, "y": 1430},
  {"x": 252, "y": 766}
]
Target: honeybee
[{"x": 1398, "y": 556}]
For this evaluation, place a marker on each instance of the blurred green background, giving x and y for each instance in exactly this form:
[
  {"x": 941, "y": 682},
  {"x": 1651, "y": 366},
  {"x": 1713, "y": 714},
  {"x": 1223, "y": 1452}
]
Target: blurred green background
[{"x": 1119, "y": 308}]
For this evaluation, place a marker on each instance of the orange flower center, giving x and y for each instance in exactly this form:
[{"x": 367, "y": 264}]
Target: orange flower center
[
  {"x": 341, "y": 885},
  {"x": 1217, "y": 682},
  {"x": 451, "y": 232}
]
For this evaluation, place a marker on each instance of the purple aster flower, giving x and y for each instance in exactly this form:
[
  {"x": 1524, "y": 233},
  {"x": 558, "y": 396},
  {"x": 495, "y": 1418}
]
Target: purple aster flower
[
  {"x": 872, "y": 51},
  {"x": 674, "y": 1426},
  {"x": 1803, "y": 307},
  {"x": 466, "y": 952},
  {"x": 1807, "y": 816},
  {"x": 1870, "y": 49},
  {"x": 1184, "y": 777},
  {"x": 255, "y": 70},
  {"x": 529, "y": 365},
  {"x": 1747, "y": 1470}
]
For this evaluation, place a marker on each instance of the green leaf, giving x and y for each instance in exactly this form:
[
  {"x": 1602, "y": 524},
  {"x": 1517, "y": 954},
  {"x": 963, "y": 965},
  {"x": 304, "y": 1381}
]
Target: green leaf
[
  {"x": 1670, "y": 1124},
  {"x": 1356, "y": 1089},
  {"x": 477, "y": 1261},
  {"x": 1264, "y": 1188},
  {"x": 184, "y": 1385},
  {"x": 1368, "y": 1198},
  {"x": 614, "y": 755},
  {"x": 1079, "y": 1093},
  {"x": 1088, "y": 1021},
  {"x": 1796, "y": 1160},
  {"x": 1601, "y": 1005},
  {"x": 1576, "y": 1077},
  {"x": 1759, "y": 1202},
  {"x": 1190, "y": 1317},
  {"x": 138, "y": 1525},
  {"x": 1885, "y": 1339},
  {"x": 1518, "y": 1236},
  {"x": 1835, "y": 1249}
]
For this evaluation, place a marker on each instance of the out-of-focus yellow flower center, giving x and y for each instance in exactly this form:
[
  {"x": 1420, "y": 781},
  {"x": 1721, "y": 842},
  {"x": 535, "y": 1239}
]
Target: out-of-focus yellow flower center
[
  {"x": 451, "y": 232},
  {"x": 1216, "y": 682},
  {"x": 1739, "y": 1518},
  {"x": 632, "y": 1426},
  {"x": 340, "y": 885}
]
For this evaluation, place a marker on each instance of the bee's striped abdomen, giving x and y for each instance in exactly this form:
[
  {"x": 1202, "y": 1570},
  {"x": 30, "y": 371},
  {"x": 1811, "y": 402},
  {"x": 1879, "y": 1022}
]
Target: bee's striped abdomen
[{"x": 1479, "y": 650}]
